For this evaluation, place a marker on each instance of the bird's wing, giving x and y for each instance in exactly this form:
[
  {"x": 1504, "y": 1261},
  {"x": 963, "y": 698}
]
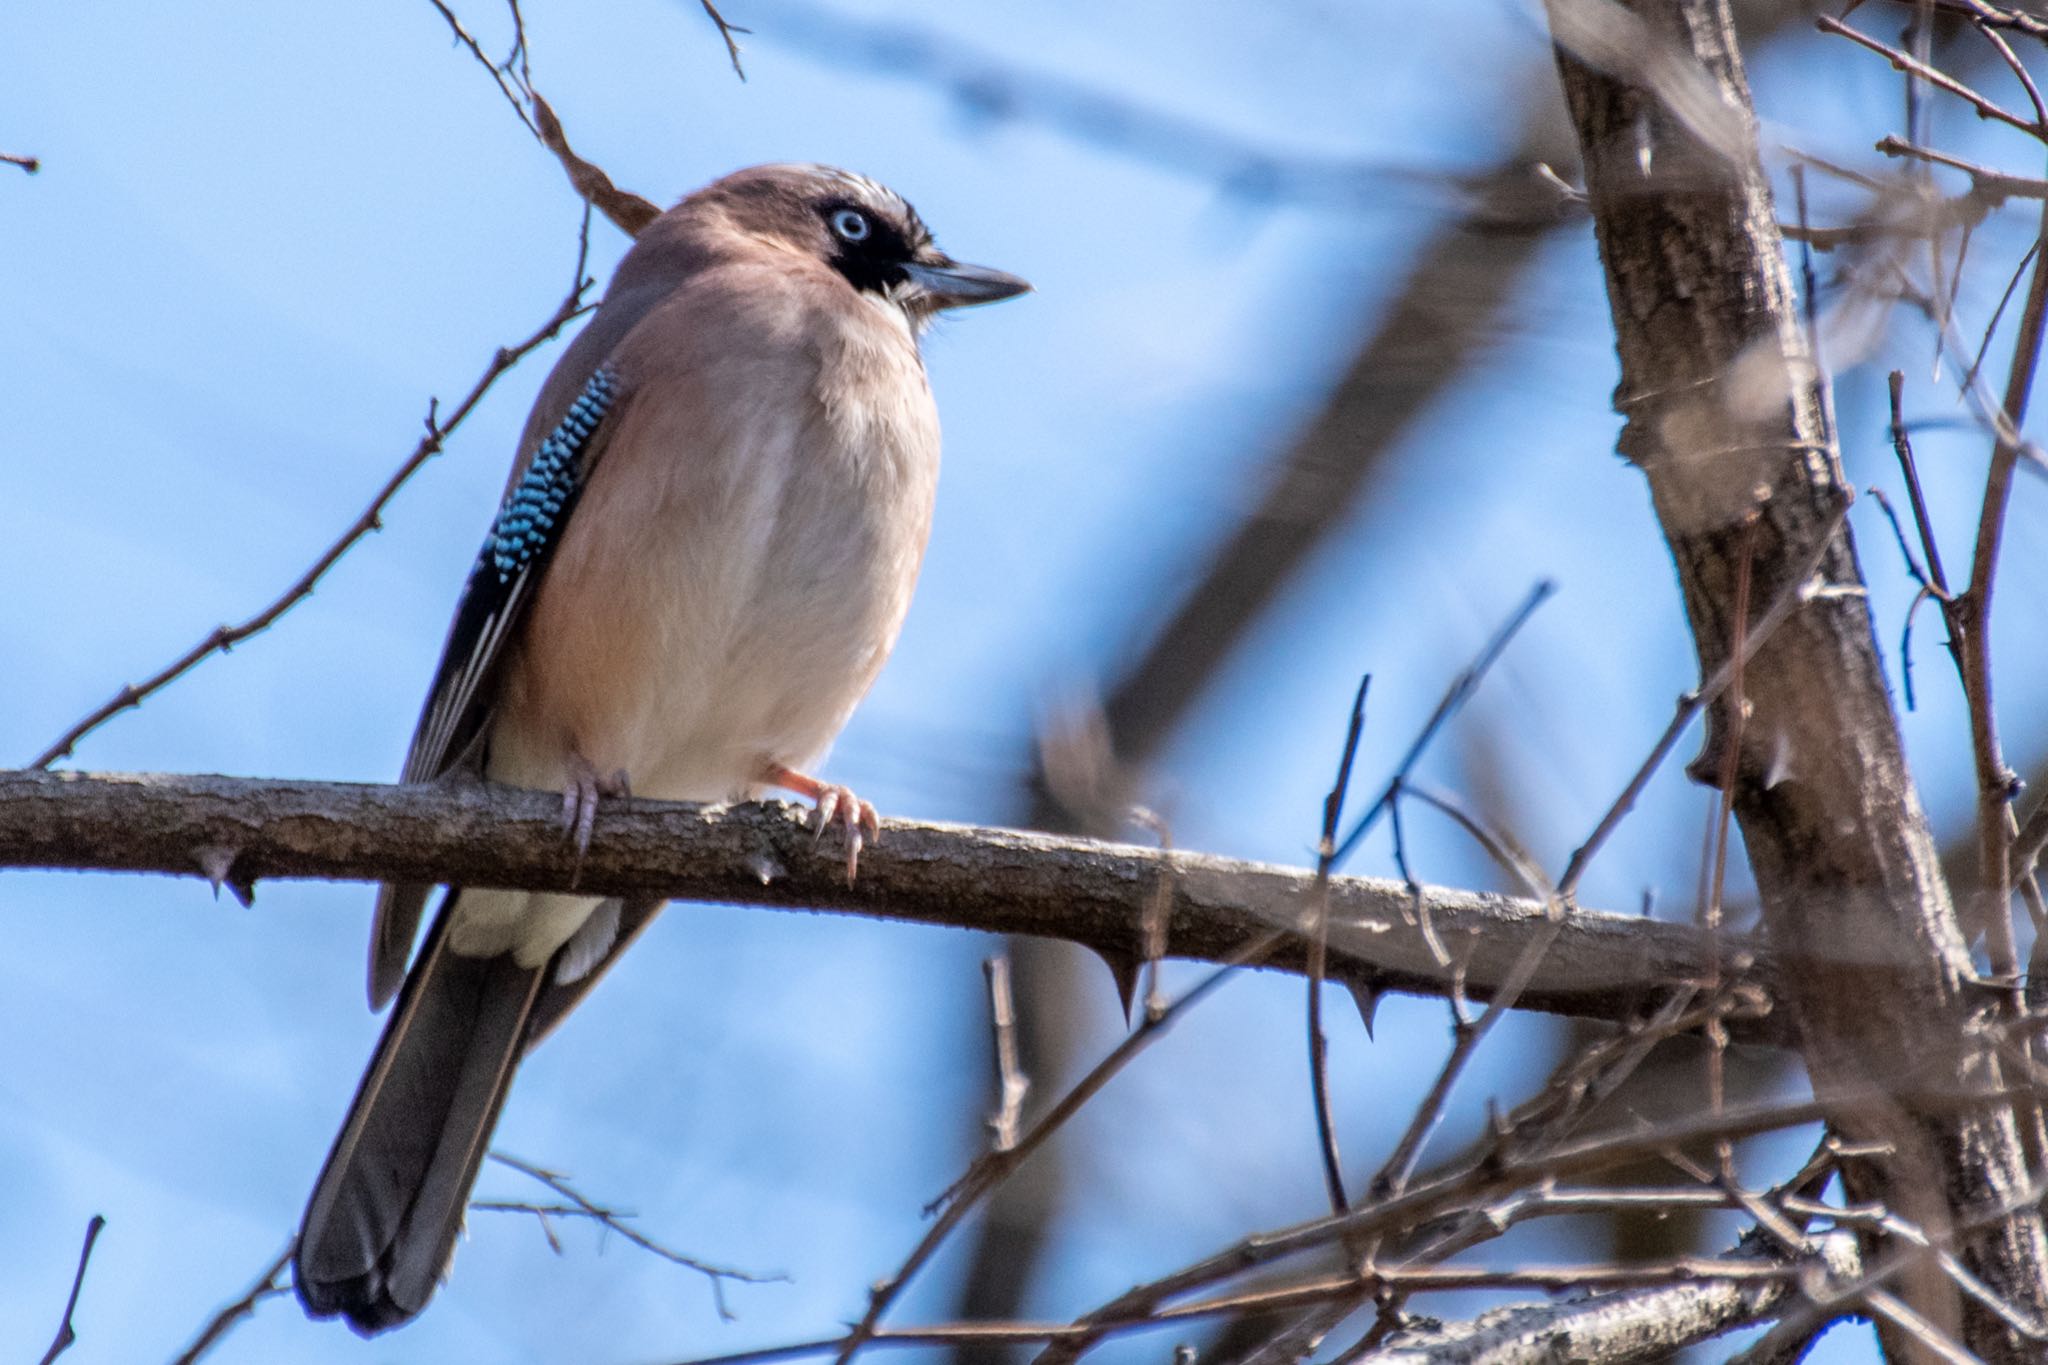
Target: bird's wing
[
  {"x": 578, "y": 408},
  {"x": 501, "y": 587}
]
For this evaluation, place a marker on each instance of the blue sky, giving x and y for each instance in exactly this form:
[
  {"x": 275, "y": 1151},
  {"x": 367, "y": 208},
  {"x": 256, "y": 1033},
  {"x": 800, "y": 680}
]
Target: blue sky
[{"x": 264, "y": 237}]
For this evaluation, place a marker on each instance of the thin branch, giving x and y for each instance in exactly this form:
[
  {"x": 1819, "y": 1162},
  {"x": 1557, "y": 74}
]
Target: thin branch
[
  {"x": 65, "y": 1334},
  {"x": 581, "y": 1206},
  {"x": 1493, "y": 1171},
  {"x": 1970, "y": 621},
  {"x": 29, "y": 164},
  {"x": 514, "y": 89},
  {"x": 1902, "y": 446},
  {"x": 240, "y": 831},
  {"x": 992, "y": 1168},
  {"x": 1399, "y": 1167},
  {"x": 268, "y": 1285},
  {"x": 1988, "y": 16},
  {"x": 1985, "y": 183},
  {"x": 725, "y": 33},
  {"x": 1692, "y": 703},
  {"x": 1934, "y": 76},
  {"x": 1453, "y": 700},
  {"x": 1011, "y": 1082},
  {"x": 1724, "y": 820},
  {"x": 1318, "y": 954},
  {"x": 2019, "y": 71},
  {"x": 224, "y": 637}
]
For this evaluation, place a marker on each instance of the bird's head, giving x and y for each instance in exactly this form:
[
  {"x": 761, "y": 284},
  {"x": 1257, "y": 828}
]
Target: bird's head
[{"x": 865, "y": 231}]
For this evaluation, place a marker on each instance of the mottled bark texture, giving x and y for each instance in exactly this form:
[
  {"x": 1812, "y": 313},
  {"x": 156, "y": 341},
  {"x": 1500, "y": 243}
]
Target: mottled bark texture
[
  {"x": 1725, "y": 415},
  {"x": 239, "y": 831}
]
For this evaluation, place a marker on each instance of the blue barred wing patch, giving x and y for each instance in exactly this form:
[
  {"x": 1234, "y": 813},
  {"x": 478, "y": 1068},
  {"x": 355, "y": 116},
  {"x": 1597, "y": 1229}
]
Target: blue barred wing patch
[
  {"x": 534, "y": 512},
  {"x": 501, "y": 586}
]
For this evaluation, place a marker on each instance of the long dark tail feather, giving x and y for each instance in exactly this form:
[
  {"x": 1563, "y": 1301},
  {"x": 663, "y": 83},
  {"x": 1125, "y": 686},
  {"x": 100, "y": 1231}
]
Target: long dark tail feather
[{"x": 389, "y": 1205}]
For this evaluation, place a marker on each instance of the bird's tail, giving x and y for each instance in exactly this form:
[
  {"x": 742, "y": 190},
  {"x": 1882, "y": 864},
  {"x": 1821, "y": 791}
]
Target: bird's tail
[{"x": 384, "y": 1216}]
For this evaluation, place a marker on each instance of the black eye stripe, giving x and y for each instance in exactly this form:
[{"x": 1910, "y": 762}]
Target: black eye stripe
[{"x": 871, "y": 257}]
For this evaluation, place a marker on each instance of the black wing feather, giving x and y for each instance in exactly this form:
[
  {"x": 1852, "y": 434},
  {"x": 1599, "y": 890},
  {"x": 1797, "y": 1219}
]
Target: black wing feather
[{"x": 508, "y": 570}]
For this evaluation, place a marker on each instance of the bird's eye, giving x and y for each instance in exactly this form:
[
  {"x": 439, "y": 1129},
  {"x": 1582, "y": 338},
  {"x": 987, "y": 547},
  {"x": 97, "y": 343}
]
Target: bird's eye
[{"x": 851, "y": 225}]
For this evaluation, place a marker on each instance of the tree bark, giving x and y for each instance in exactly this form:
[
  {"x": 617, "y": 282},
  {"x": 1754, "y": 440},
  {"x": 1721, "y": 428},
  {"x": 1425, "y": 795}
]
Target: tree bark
[
  {"x": 1725, "y": 415},
  {"x": 238, "y": 831}
]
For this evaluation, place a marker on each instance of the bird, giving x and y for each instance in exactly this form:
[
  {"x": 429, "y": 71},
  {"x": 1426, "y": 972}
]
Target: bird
[{"x": 702, "y": 558}]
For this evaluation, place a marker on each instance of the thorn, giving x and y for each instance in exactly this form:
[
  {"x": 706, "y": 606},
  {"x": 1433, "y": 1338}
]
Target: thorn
[
  {"x": 1123, "y": 969},
  {"x": 765, "y": 865},
  {"x": 1368, "y": 1001},
  {"x": 216, "y": 861}
]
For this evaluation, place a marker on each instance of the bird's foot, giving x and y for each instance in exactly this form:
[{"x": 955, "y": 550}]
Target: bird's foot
[
  {"x": 833, "y": 804},
  {"x": 580, "y": 797}
]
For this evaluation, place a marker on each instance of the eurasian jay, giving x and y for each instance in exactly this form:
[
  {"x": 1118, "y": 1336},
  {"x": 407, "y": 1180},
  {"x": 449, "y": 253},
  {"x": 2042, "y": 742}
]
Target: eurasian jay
[{"x": 703, "y": 556}]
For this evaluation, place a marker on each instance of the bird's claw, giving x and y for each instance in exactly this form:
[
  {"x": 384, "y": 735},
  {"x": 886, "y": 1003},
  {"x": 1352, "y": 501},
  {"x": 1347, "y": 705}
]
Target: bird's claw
[
  {"x": 838, "y": 805},
  {"x": 580, "y": 797}
]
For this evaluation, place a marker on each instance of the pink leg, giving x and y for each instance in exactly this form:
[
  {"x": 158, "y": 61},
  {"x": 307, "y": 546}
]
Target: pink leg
[{"x": 835, "y": 805}]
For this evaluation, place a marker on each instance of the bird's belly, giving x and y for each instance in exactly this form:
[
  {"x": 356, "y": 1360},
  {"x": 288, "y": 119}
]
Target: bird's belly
[
  {"x": 712, "y": 617},
  {"x": 728, "y": 644}
]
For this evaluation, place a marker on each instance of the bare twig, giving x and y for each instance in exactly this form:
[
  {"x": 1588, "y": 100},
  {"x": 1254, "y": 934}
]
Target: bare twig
[
  {"x": 1695, "y": 701},
  {"x": 1459, "y": 1187},
  {"x": 1994, "y": 187},
  {"x": 225, "y": 637},
  {"x": 1012, "y": 1084},
  {"x": 992, "y": 1168},
  {"x": 725, "y": 33},
  {"x": 1934, "y": 76},
  {"x": 65, "y": 1333},
  {"x": 1318, "y": 953},
  {"x": 515, "y": 89},
  {"x": 1394, "y": 1175},
  {"x": 1724, "y": 820},
  {"x": 268, "y": 1285},
  {"x": 1985, "y": 15},
  {"x": 1970, "y": 623},
  {"x": 612, "y": 1220},
  {"x": 1454, "y": 698},
  {"x": 29, "y": 164},
  {"x": 1902, "y": 446}
]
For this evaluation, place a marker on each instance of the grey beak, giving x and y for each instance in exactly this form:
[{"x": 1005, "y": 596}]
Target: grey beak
[{"x": 953, "y": 285}]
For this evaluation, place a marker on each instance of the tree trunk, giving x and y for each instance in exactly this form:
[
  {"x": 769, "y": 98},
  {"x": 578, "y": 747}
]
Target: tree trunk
[{"x": 1725, "y": 414}]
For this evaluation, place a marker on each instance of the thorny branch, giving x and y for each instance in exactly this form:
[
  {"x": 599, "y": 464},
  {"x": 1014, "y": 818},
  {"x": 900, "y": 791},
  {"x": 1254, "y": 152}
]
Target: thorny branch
[
  {"x": 239, "y": 831},
  {"x": 438, "y": 430}
]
